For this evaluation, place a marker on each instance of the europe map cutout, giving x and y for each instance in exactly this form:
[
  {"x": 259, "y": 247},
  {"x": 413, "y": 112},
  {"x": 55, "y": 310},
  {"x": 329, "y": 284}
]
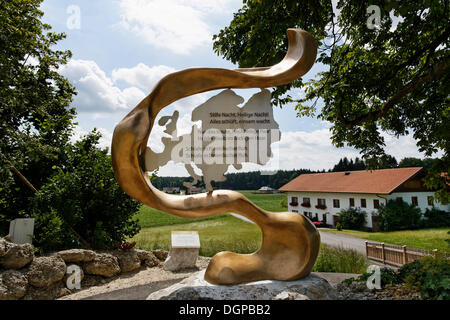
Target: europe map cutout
[{"x": 228, "y": 136}]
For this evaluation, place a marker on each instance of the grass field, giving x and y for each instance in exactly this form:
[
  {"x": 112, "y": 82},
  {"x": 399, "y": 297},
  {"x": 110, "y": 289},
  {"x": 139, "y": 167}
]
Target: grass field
[
  {"x": 225, "y": 233},
  {"x": 427, "y": 239},
  {"x": 217, "y": 233},
  {"x": 149, "y": 217}
]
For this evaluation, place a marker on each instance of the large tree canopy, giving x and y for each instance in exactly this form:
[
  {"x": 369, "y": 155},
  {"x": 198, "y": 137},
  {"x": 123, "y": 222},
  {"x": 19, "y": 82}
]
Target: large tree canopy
[
  {"x": 392, "y": 79},
  {"x": 35, "y": 114},
  {"x": 71, "y": 190}
]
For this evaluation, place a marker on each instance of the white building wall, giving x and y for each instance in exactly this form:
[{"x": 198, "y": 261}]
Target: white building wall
[
  {"x": 327, "y": 214},
  {"x": 422, "y": 200}
]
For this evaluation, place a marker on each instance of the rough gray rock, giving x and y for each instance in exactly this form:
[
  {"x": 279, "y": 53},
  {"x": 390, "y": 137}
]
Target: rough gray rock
[
  {"x": 16, "y": 256},
  {"x": 2, "y": 247},
  {"x": 104, "y": 264},
  {"x": 196, "y": 288},
  {"x": 148, "y": 258},
  {"x": 13, "y": 285},
  {"x": 45, "y": 271},
  {"x": 181, "y": 258},
  {"x": 128, "y": 260},
  {"x": 77, "y": 255},
  {"x": 160, "y": 254},
  {"x": 55, "y": 291}
]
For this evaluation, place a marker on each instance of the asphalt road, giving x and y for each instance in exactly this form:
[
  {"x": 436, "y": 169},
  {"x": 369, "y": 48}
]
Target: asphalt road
[{"x": 347, "y": 242}]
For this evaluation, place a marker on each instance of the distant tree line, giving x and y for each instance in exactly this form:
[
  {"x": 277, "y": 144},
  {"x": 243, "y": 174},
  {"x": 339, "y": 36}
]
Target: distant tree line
[
  {"x": 255, "y": 180},
  {"x": 238, "y": 181},
  {"x": 345, "y": 164}
]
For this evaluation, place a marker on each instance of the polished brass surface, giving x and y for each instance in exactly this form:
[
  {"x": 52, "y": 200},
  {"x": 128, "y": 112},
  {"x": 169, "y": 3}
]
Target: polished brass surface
[{"x": 290, "y": 241}]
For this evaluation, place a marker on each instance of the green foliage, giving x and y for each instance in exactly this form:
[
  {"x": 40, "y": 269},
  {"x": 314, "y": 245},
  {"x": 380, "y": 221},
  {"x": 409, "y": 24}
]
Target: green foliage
[
  {"x": 283, "y": 203},
  {"x": 430, "y": 275},
  {"x": 387, "y": 276},
  {"x": 78, "y": 196},
  {"x": 398, "y": 215},
  {"x": 84, "y": 196},
  {"x": 340, "y": 260},
  {"x": 35, "y": 114},
  {"x": 378, "y": 80},
  {"x": 352, "y": 218},
  {"x": 435, "y": 218},
  {"x": 410, "y": 162},
  {"x": 339, "y": 226},
  {"x": 349, "y": 165}
]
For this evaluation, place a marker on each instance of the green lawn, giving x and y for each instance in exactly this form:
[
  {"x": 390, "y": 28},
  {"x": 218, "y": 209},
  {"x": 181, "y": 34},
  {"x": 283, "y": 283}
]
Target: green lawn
[
  {"x": 269, "y": 202},
  {"x": 149, "y": 217},
  {"x": 427, "y": 239},
  {"x": 217, "y": 233},
  {"x": 225, "y": 233}
]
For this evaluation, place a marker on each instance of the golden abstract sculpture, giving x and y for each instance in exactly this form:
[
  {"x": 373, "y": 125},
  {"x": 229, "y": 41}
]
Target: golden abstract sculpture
[{"x": 290, "y": 242}]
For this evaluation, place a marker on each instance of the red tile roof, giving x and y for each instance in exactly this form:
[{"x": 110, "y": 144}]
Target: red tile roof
[{"x": 367, "y": 181}]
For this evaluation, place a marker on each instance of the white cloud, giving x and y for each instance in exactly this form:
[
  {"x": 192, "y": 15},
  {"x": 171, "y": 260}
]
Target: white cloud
[
  {"x": 177, "y": 25},
  {"x": 100, "y": 94},
  {"x": 142, "y": 76},
  {"x": 97, "y": 92}
]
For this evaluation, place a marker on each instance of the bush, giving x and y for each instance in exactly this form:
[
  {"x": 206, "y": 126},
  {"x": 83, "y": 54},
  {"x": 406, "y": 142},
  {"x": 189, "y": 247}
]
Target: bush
[
  {"x": 431, "y": 276},
  {"x": 83, "y": 201},
  {"x": 283, "y": 203},
  {"x": 398, "y": 215},
  {"x": 436, "y": 218},
  {"x": 338, "y": 226},
  {"x": 352, "y": 218},
  {"x": 387, "y": 276},
  {"x": 340, "y": 260}
]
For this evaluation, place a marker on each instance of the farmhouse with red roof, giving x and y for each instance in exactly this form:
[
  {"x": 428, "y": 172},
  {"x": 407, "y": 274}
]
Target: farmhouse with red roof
[{"x": 323, "y": 195}]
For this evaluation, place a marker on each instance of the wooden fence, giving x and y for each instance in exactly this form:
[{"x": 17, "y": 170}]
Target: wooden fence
[{"x": 395, "y": 255}]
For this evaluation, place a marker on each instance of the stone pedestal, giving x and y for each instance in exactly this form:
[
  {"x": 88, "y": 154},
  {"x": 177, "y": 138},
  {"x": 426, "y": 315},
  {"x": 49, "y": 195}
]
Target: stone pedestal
[
  {"x": 184, "y": 251},
  {"x": 195, "y": 287},
  {"x": 181, "y": 258}
]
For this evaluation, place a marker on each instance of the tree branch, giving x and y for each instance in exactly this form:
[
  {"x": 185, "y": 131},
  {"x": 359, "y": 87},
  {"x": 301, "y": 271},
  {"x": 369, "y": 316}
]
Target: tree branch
[{"x": 437, "y": 71}]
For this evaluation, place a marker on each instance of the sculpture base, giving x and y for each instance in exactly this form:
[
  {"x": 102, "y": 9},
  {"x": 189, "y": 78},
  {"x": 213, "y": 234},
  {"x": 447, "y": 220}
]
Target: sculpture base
[{"x": 196, "y": 288}]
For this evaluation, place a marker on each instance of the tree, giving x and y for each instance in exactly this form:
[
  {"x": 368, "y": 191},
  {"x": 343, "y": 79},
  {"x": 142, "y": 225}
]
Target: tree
[
  {"x": 352, "y": 218},
  {"x": 399, "y": 215},
  {"x": 71, "y": 190},
  {"x": 410, "y": 162},
  {"x": 35, "y": 117},
  {"x": 392, "y": 79},
  {"x": 84, "y": 196}
]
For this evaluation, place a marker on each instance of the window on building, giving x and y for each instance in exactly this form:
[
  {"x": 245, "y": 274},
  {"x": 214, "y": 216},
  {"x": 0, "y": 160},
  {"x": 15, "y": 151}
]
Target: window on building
[
  {"x": 306, "y": 201},
  {"x": 294, "y": 199},
  {"x": 352, "y": 202},
  {"x": 414, "y": 201},
  {"x": 363, "y": 203},
  {"x": 321, "y": 202},
  {"x": 430, "y": 200},
  {"x": 376, "y": 203},
  {"x": 295, "y": 211},
  {"x": 336, "y": 203}
]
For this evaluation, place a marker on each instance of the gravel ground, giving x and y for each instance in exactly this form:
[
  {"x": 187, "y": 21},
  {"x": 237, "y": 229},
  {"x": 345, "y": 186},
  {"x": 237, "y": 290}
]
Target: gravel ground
[
  {"x": 134, "y": 285},
  {"x": 140, "y": 284}
]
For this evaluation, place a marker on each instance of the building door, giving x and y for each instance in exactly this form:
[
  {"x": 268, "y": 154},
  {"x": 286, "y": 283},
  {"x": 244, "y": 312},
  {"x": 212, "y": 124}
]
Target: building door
[
  {"x": 374, "y": 223},
  {"x": 335, "y": 220}
]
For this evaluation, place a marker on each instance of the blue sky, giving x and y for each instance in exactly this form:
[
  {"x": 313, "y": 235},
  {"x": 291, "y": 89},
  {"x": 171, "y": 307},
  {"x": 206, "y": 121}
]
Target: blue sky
[{"x": 123, "y": 47}]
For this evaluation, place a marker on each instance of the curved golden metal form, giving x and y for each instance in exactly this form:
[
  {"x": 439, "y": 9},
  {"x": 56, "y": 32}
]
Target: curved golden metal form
[{"x": 290, "y": 242}]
